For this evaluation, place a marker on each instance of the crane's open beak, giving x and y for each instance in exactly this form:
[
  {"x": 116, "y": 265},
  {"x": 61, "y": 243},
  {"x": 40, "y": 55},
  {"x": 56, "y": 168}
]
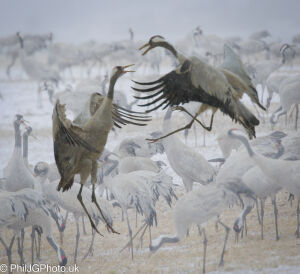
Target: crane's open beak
[
  {"x": 146, "y": 45},
  {"x": 124, "y": 71}
]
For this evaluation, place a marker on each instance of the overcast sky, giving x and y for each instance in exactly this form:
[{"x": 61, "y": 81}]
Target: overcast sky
[{"x": 81, "y": 20}]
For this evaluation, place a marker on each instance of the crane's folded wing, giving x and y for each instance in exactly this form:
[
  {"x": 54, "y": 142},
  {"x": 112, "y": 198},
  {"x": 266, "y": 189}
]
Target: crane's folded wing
[{"x": 65, "y": 131}]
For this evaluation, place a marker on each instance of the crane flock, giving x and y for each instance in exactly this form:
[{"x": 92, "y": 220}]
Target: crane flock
[{"x": 108, "y": 153}]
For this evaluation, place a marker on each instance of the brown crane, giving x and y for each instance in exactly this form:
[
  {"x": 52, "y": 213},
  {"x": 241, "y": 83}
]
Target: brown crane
[{"x": 77, "y": 148}]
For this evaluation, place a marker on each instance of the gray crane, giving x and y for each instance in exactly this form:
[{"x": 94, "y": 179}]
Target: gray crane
[
  {"x": 16, "y": 172},
  {"x": 284, "y": 173},
  {"x": 197, "y": 207},
  {"x": 185, "y": 161},
  {"x": 195, "y": 80},
  {"x": 25, "y": 208}
]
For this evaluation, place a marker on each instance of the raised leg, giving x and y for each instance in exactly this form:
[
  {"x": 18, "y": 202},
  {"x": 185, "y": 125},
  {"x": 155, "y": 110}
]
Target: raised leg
[
  {"x": 196, "y": 115},
  {"x": 188, "y": 126}
]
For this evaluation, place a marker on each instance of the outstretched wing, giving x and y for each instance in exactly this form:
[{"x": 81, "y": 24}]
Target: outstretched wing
[
  {"x": 198, "y": 82},
  {"x": 125, "y": 116}
]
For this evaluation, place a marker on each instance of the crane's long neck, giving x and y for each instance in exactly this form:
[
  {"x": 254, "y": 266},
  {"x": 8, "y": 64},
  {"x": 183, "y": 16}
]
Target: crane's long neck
[
  {"x": 17, "y": 135},
  {"x": 245, "y": 142},
  {"x": 111, "y": 88},
  {"x": 163, "y": 239},
  {"x": 59, "y": 251},
  {"x": 180, "y": 57},
  {"x": 25, "y": 147}
]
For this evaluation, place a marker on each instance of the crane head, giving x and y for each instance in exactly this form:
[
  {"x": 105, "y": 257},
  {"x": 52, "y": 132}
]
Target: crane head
[
  {"x": 41, "y": 169},
  {"x": 20, "y": 120},
  {"x": 155, "y": 41},
  {"x": 21, "y": 41},
  {"x": 120, "y": 70}
]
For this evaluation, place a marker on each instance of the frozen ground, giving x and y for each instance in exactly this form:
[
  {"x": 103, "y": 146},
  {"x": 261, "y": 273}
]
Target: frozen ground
[{"x": 250, "y": 255}]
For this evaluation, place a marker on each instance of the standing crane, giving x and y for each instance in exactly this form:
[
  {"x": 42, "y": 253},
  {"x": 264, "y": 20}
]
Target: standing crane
[
  {"x": 285, "y": 174},
  {"x": 197, "y": 207},
  {"x": 185, "y": 161},
  {"x": 195, "y": 80},
  {"x": 24, "y": 208},
  {"x": 76, "y": 149},
  {"x": 16, "y": 172}
]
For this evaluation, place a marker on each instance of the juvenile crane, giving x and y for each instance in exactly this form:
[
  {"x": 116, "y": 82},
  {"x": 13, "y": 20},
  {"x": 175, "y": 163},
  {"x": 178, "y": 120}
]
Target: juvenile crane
[
  {"x": 195, "y": 80},
  {"x": 77, "y": 148}
]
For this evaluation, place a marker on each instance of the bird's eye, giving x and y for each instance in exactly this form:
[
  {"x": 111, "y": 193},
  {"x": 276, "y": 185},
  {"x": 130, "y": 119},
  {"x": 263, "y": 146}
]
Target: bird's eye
[{"x": 119, "y": 68}]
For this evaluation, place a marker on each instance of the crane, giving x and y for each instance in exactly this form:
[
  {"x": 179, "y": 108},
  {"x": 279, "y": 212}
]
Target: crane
[
  {"x": 197, "y": 207},
  {"x": 24, "y": 208},
  {"x": 185, "y": 161},
  {"x": 285, "y": 174},
  {"x": 195, "y": 80},
  {"x": 76, "y": 149}
]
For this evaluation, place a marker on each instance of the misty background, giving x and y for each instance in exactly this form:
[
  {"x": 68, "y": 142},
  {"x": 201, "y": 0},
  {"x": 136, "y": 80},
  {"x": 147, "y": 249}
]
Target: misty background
[{"x": 78, "y": 20}]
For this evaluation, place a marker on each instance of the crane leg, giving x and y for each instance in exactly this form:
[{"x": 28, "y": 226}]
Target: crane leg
[
  {"x": 79, "y": 197},
  {"x": 204, "y": 250},
  {"x": 32, "y": 244},
  {"x": 225, "y": 242},
  {"x": 8, "y": 251},
  {"x": 188, "y": 126},
  {"x": 22, "y": 239},
  {"x": 20, "y": 251},
  {"x": 77, "y": 240},
  {"x": 258, "y": 215},
  {"x": 141, "y": 238},
  {"x": 139, "y": 230},
  {"x": 297, "y": 115},
  {"x": 83, "y": 226},
  {"x": 91, "y": 249},
  {"x": 38, "y": 246},
  {"x": 94, "y": 200},
  {"x": 196, "y": 115},
  {"x": 275, "y": 215},
  {"x": 298, "y": 211},
  {"x": 130, "y": 234},
  {"x": 262, "y": 212}
]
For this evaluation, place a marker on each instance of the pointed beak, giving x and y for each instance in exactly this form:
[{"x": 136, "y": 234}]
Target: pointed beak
[
  {"x": 124, "y": 71},
  {"x": 144, "y": 46}
]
